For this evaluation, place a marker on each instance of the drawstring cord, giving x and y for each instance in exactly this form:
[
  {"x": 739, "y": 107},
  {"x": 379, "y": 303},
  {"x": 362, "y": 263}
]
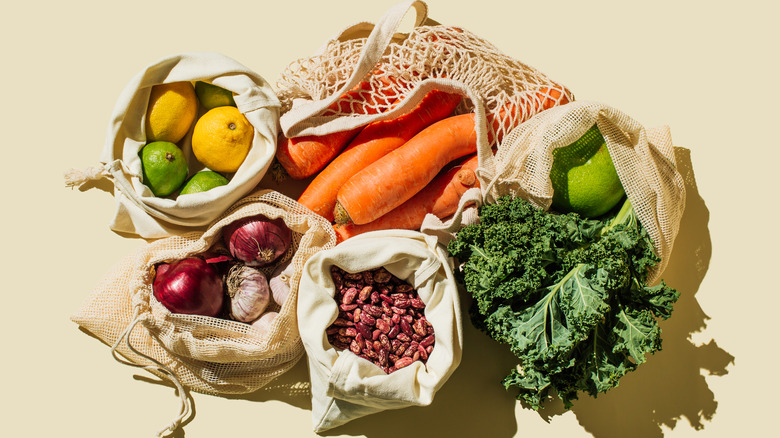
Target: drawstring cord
[{"x": 186, "y": 404}]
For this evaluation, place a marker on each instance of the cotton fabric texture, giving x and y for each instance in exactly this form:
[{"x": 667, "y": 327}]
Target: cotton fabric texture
[
  {"x": 345, "y": 386},
  {"x": 137, "y": 211}
]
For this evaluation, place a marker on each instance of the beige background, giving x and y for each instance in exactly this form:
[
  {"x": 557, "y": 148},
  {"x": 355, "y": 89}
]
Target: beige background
[{"x": 707, "y": 69}]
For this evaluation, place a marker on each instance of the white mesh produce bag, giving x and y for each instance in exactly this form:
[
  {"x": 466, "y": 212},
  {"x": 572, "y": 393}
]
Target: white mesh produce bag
[
  {"x": 392, "y": 72},
  {"x": 205, "y": 354}
]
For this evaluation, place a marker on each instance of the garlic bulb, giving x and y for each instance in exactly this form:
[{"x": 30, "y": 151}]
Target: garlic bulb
[
  {"x": 249, "y": 293},
  {"x": 280, "y": 282}
]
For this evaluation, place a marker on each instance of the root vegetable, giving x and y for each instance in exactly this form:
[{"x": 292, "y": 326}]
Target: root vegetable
[
  {"x": 439, "y": 198},
  {"x": 402, "y": 173},
  {"x": 372, "y": 143}
]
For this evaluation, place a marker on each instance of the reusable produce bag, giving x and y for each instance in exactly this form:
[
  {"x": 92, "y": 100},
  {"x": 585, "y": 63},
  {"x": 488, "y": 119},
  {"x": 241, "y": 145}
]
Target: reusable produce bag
[
  {"x": 402, "y": 68},
  {"x": 345, "y": 386},
  {"x": 205, "y": 354},
  {"x": 138, "y": 211},
  {"x": 644, "y": 160}
]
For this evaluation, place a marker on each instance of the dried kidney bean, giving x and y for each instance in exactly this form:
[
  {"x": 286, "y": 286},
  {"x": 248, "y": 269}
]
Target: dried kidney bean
[{"x": 381, "y": 318}]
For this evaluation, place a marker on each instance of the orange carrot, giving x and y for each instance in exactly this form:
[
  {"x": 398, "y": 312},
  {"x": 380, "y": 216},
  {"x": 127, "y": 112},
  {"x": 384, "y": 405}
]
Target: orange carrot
[
  {"x": 373, "y": 142},
  {"x": 439, "y": 198},
  {"x": 304, "y": 156},
  {"x": 543, "y": 98},
  {"x": 393, "y": 179}
]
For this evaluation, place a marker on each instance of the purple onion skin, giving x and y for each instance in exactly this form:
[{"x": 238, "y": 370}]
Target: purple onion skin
[
  {"x": 189, "y": 286},
  {"x": 257, "y": 241}
]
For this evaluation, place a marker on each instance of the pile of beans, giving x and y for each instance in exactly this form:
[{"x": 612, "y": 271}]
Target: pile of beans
[{"x": 381, "y": 318}]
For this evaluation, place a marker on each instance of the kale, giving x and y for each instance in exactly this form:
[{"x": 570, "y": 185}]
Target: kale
[{"x": 567, "y": 295}]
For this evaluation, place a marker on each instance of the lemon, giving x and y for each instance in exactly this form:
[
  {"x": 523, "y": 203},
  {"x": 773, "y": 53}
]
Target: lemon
[
  {"x": 172, "y": 109},
  {"x": 211, "y": 96},
  {"x": 164, "y": 167},
  {"x": 584, "y": 178},
  {"x": 203, "y": 181},
  {"x": 222, "y": 138}
]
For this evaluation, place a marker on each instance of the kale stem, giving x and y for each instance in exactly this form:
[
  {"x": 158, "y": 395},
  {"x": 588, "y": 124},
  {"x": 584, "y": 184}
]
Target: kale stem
[{"x": 625, "y": 215}]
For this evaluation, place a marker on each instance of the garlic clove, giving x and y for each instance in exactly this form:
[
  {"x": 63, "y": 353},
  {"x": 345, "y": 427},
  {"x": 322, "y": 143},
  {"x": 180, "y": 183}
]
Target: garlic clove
[{"x": 280, "y": 282}]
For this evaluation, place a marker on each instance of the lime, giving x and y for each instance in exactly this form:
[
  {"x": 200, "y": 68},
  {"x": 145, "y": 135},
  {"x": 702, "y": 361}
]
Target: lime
[
  {"x": 584, "y": 178},
  {"x": 164, "y": 167},
  {"x": 202, "y": 181},
  {"x": 211, "y": 96},
  {"x": 171, "y": 111}
]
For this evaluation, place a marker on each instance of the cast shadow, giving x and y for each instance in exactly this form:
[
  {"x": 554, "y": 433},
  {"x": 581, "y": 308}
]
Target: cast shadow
[
  {"x": 472, "y": 402},
  {"x": 292, "y": 388},
  {"x": 670, "y": 386}
]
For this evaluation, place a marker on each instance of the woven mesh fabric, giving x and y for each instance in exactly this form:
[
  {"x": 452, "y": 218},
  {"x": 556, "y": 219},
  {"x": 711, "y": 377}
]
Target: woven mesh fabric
[
  {"x": 208, "y": 355},
  {"x": 510, "y": 91},
  {"x": 644, "y": 159}
]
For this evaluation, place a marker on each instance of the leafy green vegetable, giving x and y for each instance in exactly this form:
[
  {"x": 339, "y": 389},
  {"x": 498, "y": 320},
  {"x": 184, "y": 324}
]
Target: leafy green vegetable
[{"x": 567, "y": 295}]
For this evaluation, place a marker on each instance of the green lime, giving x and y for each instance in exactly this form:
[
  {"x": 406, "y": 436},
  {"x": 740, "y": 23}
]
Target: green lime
[
  {"x": 211, "y": 96},
  {"x": 202, "y": 181},
  {"x": 584, "y": 178},
  {"x": 164, "y": 167}
]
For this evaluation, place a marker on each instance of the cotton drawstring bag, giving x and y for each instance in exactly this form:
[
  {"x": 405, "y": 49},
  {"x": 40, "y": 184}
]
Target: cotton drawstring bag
[
  {"x": 204, "y": 354},
  {"x": 138, "y": 212},
  {"x": 345, "y": 386}
]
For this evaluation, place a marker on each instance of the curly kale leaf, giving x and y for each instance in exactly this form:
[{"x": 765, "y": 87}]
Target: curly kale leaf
[{"x": 567, "y": 295}]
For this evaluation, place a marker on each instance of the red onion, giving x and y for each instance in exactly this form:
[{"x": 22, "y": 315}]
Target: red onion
[
  {"x": 189, "y": 286},
  {"x": 257, "y": 240}
]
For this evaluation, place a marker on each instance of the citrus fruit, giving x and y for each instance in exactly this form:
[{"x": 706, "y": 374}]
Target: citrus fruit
[
  {"x": 584, "y": 178},
  {"x": 172, "y": 109},
  {"x": 222, "y": 138},
  {"x": 211, "y": 96},
  {"x": 164, "y": 167},
  {"x": 203, "y": 181}
]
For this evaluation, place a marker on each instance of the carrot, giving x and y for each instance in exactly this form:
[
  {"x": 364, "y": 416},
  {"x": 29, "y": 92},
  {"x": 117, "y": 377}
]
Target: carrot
[
  {"x": 373, "y": 142},
  {"x": 543, "y": 98},
  {"x": 399, "y": 175},
  {"x": 304, "y": 156},
  {"x": 439, "y": 198},
  {"x": 550, "y": 97}
]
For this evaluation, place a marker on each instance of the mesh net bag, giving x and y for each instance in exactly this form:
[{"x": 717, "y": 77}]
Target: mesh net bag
[
  {"x": 644, "y": 160},
  {"x": 370, "y": 72},
  {"x": 204, "y": 354}
]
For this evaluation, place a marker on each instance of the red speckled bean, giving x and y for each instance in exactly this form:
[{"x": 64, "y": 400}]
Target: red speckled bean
[{"x": 381, "y": 319}]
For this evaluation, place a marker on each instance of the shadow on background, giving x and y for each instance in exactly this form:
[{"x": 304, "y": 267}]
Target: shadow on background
[
  {"x": 670, "y": 386},
  {"x": 472, "y": 403}
]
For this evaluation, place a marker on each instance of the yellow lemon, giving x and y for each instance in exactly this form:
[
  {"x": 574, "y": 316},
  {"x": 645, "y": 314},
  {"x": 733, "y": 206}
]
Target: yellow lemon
[
  {"x": 584, "y": 178},
  {"x": 172, "y": 109},
  {"x": 222, "y": 138}
]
